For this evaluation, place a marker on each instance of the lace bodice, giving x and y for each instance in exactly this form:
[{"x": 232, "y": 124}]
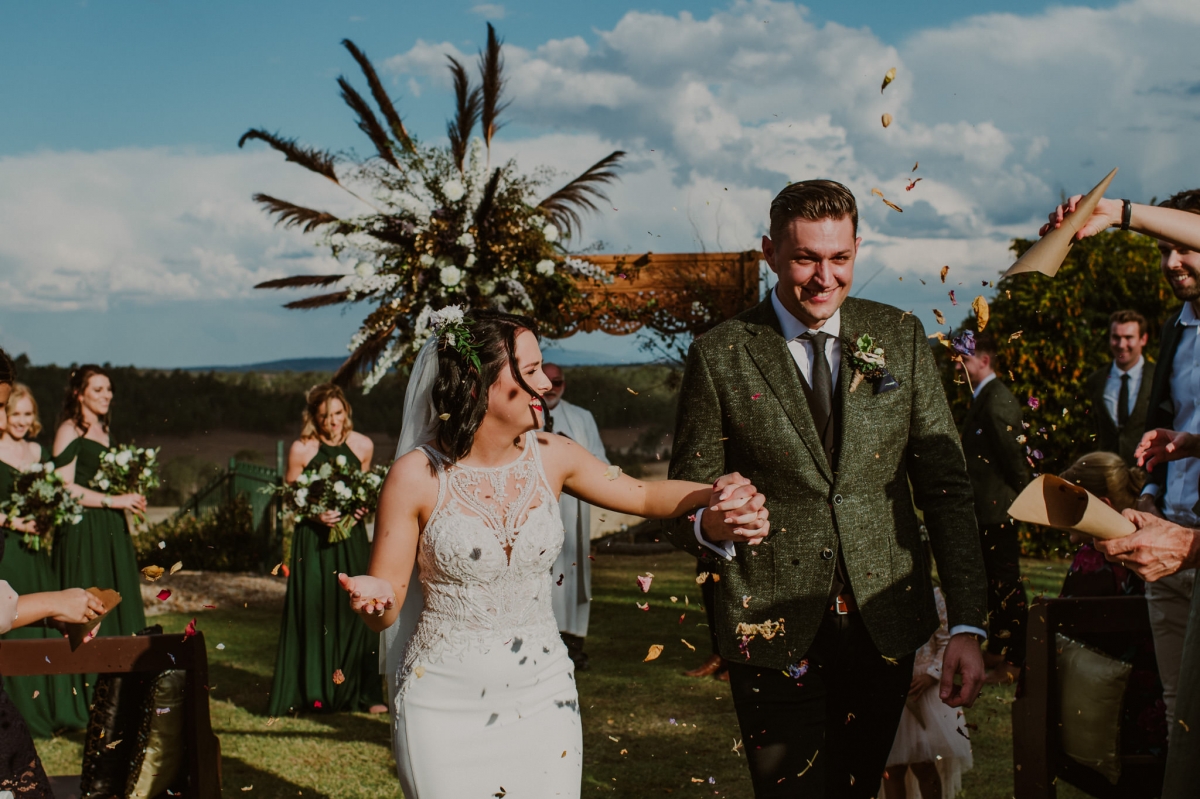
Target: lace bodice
[{"x": 485, "y": 557}]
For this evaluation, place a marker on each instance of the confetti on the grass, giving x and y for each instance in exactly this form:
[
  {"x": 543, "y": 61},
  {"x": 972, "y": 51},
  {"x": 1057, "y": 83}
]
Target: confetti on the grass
[
  {"x": 338, "y": 677},
  {"x": 655, "y": 651},
  {"x": 162, "y": 544},
  {"x": 220, "y": 646},
  {"x": 176, "y": 566},
  {"x": 152, "y": 573},
  {"x": 888, "y": 77},
  {"x": 190, "y": 630},
  {"x": 164, "y": 594},
  {"x": 251, "y": 787},
  {"x": 980, "y": 306},
  {"x": 644, "y": 582},
  {"x": 688, "y": 645},
  {"x": 640, "y": 606},
  {"x": 631, "y": 391},
  {"x": 945, "y": 271}
]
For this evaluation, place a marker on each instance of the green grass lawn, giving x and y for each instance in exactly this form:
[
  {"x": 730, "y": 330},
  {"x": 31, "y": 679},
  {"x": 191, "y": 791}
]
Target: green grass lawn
[{"x": 648, "y": 730}]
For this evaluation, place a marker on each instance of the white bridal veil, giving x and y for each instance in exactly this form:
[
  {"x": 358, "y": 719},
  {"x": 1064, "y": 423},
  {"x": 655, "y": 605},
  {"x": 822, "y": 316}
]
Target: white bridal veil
[{"x": 418, "y": 427}]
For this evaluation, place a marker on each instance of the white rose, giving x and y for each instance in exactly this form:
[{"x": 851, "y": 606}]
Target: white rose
[
  {"x": 545, "y": 267},
  {"x": 339, "y": 487},
  {"x": 450, "y": 275},
  {"x": 301, "y": 497},
  {"x": 470, "y": 260},
  {"x": 467, "y": 240},
  {"x": 425, "y": 259},
  {"x": 103, "y": 484},
  {"x": 110, "y": 458},
  {"x": 302, "y": 479},
  {"x": 364, "y": 269},
  {"x": 123, "y": 457},
  {"x": 150, "y": 453},
  {"x": 453, "y": 190},
  {"x": 340, "y": 460},
  {"x": 550, "y": 231}
]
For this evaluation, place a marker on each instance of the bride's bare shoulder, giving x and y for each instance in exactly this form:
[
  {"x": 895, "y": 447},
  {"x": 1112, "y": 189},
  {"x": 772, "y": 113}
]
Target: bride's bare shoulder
[{"x": 411, "y": 469}]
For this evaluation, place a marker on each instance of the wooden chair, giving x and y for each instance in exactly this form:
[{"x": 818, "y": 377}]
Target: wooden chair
[
  {"x": 1038, "y": 760},
  {"x": 202, "y": 749}
]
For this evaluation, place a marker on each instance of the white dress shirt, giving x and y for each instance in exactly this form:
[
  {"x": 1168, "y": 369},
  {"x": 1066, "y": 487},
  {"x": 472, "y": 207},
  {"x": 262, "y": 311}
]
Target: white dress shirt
[
  {"x": 979, "y": 386},
  {"x": 1112, "y": 387},
  {"x": 1183, "y": 476},
  {"x": 802, "y": 354}
]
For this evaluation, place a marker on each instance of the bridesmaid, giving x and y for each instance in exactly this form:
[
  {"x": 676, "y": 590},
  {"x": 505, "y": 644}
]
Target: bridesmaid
[
  {"x": 54, "y": 701},
  {"x": 320, "y": 635},
  {"x": 99, "y": 550}
]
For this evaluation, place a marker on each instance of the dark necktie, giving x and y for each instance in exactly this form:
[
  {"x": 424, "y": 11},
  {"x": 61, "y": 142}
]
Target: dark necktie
[
  {"x": 822, "y": 379},
  {"x": 1123, "y": 402}
]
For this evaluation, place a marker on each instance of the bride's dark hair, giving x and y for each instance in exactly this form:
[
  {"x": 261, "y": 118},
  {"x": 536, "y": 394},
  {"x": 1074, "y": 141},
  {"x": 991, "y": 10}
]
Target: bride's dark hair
[{"x": 460, "y": 391}]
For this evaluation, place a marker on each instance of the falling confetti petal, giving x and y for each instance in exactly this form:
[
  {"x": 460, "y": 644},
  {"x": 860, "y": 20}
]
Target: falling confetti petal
[
  {"x": 631, "y": 391},
  {"x": 445, "y": 417},
  {"x": 286, "y": 571},
  {"x": 945, "y": 271},
  {"x": 688, "y": 645},
  {"x": 941, "y": 320},
  {"x": 888, "y": 78},
  {"x": 980, "y": 306},
  {"x": 612, "y": 472},
  {"x": 178, "y": 565},
  {"x": 641, "y": 606},
  {"x": 190, "y": 630},
  {"x": 893, "y": 206},
  {"x": 1033, "y": 403},
  {"x": 756, "y": 396},
  {"x": 1016, "y": 335},
  {"x": 655, "y": 651},
  {"x": 275, "y": 571},
  {"x": 701, "y": 577},
  {"x": 886, "y": 120},
  {"x": 952, "y": 300},
  {"x": 917, "y": 164},
  {"x": 113, "y": 745},
  {"x": 338, "y": 677},
  {"x": 910, "y": 186},
  {"x": 152, "y": 573},
  {"x": 877, "y": 193},
  {"x": 164, "y": 594},
  {"x": 644, "y": 582}
]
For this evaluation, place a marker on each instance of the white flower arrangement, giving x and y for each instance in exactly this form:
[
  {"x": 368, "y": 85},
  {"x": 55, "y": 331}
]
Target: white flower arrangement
[
  {"x": 335, "y": 486},
  {"x": 41, "y": 495},
  {"x": 450, "y": 276},
  {"x": 545, "y": 267},
  {"x": 127, "y": 470}
]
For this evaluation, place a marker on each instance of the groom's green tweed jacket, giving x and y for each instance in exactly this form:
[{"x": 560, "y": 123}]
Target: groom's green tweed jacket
[{"x": 742, "y": 408}]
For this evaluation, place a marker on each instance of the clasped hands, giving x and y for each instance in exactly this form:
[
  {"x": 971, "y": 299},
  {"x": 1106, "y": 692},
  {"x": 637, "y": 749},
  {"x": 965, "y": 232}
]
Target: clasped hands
[
  {"x": 735, "y": 512},
  {"x": 331, "y": 517}
]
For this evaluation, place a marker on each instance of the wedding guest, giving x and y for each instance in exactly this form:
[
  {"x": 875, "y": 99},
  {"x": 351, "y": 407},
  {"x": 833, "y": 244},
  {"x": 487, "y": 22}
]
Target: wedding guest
[
  {"x": 319, "y": 636},
  {"x": 572, "y": 595},
  {"x": 932, "y": 749},
  {"x": 1143, "y": 713},
  {"x": 991, "y": 435},
  {"x": 846, "y": 439},
  {"x": 1120, "y": 392},
  {"x": 48, "y": 702},
  {"x": 21, "y": 772},
  {"x": 98, "y": 551}
]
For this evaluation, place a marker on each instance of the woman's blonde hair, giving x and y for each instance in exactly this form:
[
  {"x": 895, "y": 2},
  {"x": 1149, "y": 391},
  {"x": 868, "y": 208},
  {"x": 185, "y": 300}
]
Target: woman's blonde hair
[
  {"x": 21, "y": 391},
  {"x": 1108, "y": 477},
  {"x": 317, "y": 397}
]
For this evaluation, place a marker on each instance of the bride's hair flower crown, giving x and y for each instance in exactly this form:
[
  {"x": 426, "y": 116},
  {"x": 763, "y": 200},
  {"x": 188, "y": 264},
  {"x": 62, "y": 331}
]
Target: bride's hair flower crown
[{"x": 450, "y": 326}]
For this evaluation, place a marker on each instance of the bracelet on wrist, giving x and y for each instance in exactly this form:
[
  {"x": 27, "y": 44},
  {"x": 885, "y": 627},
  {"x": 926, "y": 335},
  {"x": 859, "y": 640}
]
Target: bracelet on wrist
[{"x": 1126, "y": 214}]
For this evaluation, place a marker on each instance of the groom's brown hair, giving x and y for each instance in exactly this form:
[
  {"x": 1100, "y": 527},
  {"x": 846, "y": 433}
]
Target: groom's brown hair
[{"x": 812, "y": 199}]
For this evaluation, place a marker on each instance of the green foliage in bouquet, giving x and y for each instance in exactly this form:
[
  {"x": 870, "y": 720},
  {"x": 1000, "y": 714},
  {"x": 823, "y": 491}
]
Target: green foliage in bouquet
[
  {"x": 223, "y": 539},
  {"x": 127, "y": 470},
  {"x": 334, "y": 485},
  {"x": 1052, "y": 333},
  {"x": 445, "y": 226},
  {"x": 41, "y": 495}
]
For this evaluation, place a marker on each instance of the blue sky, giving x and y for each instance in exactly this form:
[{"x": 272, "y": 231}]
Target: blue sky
[{"x": 127, "y": 233}]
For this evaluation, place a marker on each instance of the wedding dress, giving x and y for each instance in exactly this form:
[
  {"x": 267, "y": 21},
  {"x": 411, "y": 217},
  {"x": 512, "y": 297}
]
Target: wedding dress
[{"x": 486, "y": 704}]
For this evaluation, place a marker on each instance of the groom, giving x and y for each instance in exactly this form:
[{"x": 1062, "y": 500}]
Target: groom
[{"x": 820, "y": 621}]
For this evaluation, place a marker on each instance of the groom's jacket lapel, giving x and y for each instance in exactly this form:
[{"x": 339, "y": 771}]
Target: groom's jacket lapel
[{"x": 770, "y": 354}]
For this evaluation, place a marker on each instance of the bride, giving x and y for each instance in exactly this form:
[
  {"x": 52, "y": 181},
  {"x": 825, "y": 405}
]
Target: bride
[{"x": 486, "y": 703}]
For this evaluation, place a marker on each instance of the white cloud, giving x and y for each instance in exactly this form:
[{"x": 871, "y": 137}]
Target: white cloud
[{"x": 490, "y": 10}]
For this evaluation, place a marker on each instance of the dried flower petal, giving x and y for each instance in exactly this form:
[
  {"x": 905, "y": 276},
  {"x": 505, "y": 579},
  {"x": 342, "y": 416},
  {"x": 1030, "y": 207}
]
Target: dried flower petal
[
  {"x": 152, "y": 573},
  {"x": 1016, "y": 335},
  {"x": 886, "y": 120},
  {"x": 952, "y": 300},
  {"x": 980, "y": 306},
  {"x": 164, "y": 594},
  {"x": 945, "y": 271},
  {"x": 644, "y": 581},
  {"x": 689, "y": 646},
  {"x": 612, "y": 472},
  {"x": 910, "y": 186},
  {"x": 941, "y": 320},
  {"x": 888, "y": 78},
  {"x": 177, "y": 566},
  {"x": 338, "y": 677},
  {"x": 655, "y": 651},
  {"x": 1033, "y": 402}
]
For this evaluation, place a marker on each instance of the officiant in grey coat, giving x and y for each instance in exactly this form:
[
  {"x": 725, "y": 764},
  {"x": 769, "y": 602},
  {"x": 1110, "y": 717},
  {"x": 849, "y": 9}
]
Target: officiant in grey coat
[
  {"x": 572, "y": 593},
  {"x": 834, "y": 409}
]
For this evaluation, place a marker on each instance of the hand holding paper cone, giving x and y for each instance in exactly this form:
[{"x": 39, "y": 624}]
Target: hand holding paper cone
[
  {"x": 1053, "y": 502},
  {"x": 1047, "y": 255}
]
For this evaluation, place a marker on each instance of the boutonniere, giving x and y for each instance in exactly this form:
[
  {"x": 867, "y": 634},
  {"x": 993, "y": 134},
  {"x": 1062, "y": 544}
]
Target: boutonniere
[{"x": 869, "y": 361}]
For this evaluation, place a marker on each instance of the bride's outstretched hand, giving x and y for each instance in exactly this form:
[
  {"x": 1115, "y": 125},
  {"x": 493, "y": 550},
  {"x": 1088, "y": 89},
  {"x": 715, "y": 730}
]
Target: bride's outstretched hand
[{"x": 369, "y": 596}]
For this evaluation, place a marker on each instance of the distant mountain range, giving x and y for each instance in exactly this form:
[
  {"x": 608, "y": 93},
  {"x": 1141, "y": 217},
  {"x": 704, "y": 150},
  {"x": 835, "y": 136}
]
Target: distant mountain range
[{"x": 563, "y": 357}]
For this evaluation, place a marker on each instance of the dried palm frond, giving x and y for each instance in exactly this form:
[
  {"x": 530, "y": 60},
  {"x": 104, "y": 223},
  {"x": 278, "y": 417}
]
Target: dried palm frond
[
  {"x": 291, "y": 215},
  {"x": 363, "y": 358},
  {"x": 368, "y": 123},
  {"x": 467, "y": 107},
  {"x": 381, "y": 98},
  {"x": 319, "y": 300},
  {"x": 310, "y": 158},
  {"x": 564, "y": 205},
  {"x": 488, "y": 201},
  {"x": 491, "y": 74},
  {"x": 298, "y": 281}
]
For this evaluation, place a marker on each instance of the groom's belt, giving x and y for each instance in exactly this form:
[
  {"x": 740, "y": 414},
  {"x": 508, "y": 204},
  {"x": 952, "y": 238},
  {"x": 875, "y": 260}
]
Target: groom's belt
[{"x": 843, "y": 604}]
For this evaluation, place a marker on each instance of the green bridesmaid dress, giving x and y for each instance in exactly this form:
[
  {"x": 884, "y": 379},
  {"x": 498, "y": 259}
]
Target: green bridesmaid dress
[
  {"x": 48, "y": 702},
  {"x": 99, "y": 550},
  {"x": 320, "y": 634}
]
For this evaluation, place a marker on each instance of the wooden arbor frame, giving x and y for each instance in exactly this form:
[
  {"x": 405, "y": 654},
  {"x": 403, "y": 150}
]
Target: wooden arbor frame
[{"x": 669, "y": 293}]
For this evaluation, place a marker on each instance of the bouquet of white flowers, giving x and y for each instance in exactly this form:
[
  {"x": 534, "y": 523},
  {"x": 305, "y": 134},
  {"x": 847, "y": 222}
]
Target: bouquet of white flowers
[
  {"x": 127, "y": 470},
  {"x": 332, "y": 486},
  {"x": 41, "y": 495},
  {"x": 368, "y": 485}
]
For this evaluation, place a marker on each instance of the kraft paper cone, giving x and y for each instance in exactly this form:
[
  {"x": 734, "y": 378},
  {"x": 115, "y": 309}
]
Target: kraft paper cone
[
  {"x": 1053, "y": 502},
  {"x": 77, "y": 632},
  {"x": 1048, "y": 254}
]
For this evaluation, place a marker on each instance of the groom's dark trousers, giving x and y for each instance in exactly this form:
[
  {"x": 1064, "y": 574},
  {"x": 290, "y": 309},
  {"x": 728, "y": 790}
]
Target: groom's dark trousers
[{"x": 819, "y": 693}]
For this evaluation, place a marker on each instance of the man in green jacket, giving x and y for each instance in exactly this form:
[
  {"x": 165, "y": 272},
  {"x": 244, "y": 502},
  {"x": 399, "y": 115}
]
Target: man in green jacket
[
  {"x": 1120, "y": 392},
  {"x": 994, "y": 439},
  {"x": 833, "y": 408}
]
